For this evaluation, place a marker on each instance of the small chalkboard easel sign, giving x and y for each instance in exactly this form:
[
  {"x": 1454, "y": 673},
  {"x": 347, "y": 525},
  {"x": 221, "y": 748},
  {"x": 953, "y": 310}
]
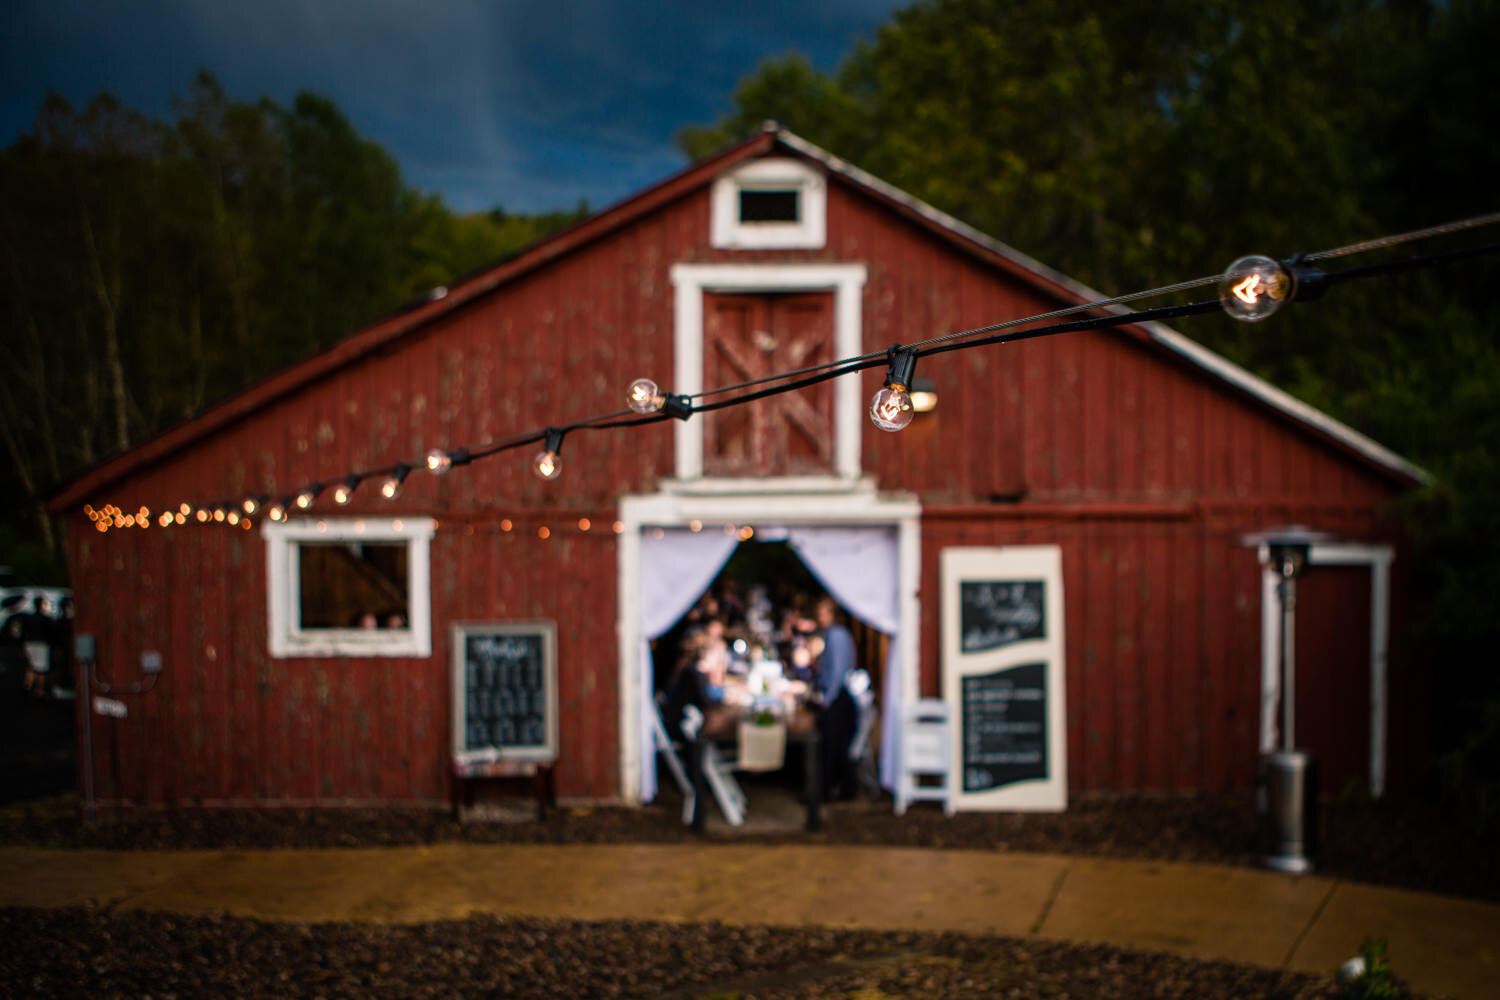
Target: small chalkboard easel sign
[{"x": 504, "y": 693}]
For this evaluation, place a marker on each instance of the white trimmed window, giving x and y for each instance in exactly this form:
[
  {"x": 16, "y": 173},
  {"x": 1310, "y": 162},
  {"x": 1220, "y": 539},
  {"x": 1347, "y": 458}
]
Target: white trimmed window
[
  {"x": 770, "y": 204},
  {"x": 349, "y": 586}
]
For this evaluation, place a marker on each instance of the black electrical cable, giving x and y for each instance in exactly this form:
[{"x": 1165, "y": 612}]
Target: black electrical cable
[{"x": 802, "y": 378}]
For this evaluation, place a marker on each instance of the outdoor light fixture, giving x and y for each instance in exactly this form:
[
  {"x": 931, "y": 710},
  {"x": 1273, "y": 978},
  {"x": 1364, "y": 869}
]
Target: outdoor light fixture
[
  {"x": 440, "y": 461},
  {"x": 548, "y": 462},
  {"x": 924, "y": 397},
  {"x": 891, "y": 407},
  {"x": 1253, "y": 288},
  {"x": 310, "y": 493},
  {"x": 344, "y": 492},
  {"x": 392, "y": 484},
  {"x": 277, "y": 511},
  {"x": 253, "y": 504},
  {"x": 644, "y": 397}
]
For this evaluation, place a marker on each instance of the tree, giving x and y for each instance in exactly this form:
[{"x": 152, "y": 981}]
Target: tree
[{"x": 151, "y": 268}]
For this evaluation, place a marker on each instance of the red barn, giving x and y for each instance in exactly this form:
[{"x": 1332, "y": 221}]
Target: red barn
[{"x": 1142, "y": 457}]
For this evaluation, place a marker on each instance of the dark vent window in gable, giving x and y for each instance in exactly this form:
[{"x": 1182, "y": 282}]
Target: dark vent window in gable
[{"x": 770, "y": 205}]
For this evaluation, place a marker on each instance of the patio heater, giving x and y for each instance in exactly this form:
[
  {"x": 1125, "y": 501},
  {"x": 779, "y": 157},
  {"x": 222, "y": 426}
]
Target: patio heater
[{"x": 1289, "y": 777}]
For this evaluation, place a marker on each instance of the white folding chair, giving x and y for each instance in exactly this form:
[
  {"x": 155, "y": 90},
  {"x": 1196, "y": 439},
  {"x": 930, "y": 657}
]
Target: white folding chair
[
  {"x": 859, "y": 747},
  {"x": 926, "y": 750},
  {"x": 671, "y": 753},
  {"x": 716, "y": 774}
]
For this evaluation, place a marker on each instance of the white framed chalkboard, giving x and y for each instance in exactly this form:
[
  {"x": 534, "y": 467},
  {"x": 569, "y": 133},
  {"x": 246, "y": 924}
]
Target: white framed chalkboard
[
  {"x": 504, "y": 692},
  {"x": 1003, "y": 676}
]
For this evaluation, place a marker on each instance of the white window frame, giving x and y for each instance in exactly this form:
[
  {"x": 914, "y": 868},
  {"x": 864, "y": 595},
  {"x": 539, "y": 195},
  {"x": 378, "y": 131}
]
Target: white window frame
[
  {"x": 847, "y": 281},
  {"x": 283, "y": 587},
  {"x": 809, "y": 232}
]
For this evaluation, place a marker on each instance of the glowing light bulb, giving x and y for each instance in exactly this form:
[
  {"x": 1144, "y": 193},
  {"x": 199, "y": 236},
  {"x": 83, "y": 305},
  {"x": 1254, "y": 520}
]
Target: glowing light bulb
[
  {"x": 547, "y": 464},
  {"x": 392, "y": 485},
  {"x": 1254, "y": 287},
  {"x": 643, "y": 396},
  {"x": 891, "y": 409},
  {"x": 165, "y": 519},
  {"x": 185, "y": 509},
  {"x": 201, "y": 515},
  {"x": 252, "y": 504},
  {"x": 277, "y": 511},
  {"x": 307, "y": 496},
  {"x": 219, "y": 514},
  {"x": 438, "y": 462},
  {"x": 344, "y": 492},
  {"x": 179, "y": 518},
  {"x": 233, "y": 517}
]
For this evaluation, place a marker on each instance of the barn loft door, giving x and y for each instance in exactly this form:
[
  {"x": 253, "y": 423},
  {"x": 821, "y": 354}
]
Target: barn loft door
[{"x": 750, "y": 336}]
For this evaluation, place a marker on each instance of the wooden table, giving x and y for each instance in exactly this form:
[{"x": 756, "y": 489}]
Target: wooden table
[{"x": 721, "y": 727}]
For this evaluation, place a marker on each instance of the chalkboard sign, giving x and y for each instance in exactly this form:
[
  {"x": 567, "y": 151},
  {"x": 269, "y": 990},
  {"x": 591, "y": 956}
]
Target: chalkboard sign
[
  {"x": 1003, "y": 640},
  {"x": 996, "y": 613},
  {"x": 1004, "y": 731},
  {"x": 505, "y": 692}
]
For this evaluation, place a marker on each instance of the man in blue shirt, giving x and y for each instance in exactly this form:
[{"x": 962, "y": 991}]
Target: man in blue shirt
[{"x": 837, "y": 723}]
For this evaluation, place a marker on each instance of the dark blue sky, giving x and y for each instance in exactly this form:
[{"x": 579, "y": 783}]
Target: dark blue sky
[{"x": 528, "y": 104}]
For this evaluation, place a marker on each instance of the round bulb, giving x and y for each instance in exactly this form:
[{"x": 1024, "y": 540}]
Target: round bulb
[
  {"x": 218, "y": 513},
  {"x": 548, "y": 464},
  {"x": 342, "y": 494},
  {"x": 233, "y": 517},
  {"x": 305, "y": 499},
  {"x": 390, "y": 488},
  {"x": 201, "y": 515},
  {"x": 251, "y": 505},
  {"x": 438, "y": 461},
  {"x": 891, "y": 409},
  {"x": 1253, "y": 288},
  {"x": 276, "y": 512},
  {"x": 643, "y": 396},
  {"x": 164, "y": 520}
]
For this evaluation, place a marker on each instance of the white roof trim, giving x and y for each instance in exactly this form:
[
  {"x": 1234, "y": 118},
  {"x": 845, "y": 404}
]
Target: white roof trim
[{"x": 1184, "y": 347}]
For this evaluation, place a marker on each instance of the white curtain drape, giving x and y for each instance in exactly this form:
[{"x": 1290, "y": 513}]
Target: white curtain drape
[
  {"x": 677, "y": 566},
  {"x": 861, "y": 569}
]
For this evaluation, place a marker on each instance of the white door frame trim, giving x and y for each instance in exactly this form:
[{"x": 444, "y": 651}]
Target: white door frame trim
[
  {"x": 673, "y": 510},
  {"x": 1378, "y": 558}
]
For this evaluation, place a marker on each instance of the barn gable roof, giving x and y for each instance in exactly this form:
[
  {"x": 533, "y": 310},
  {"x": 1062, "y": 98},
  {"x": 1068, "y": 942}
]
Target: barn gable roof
[{"x": 772, "y": 138}]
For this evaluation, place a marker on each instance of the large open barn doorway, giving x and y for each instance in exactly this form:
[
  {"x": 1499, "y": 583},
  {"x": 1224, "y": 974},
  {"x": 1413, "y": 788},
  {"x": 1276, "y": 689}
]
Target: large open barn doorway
[{"x": 861, "y": 551}]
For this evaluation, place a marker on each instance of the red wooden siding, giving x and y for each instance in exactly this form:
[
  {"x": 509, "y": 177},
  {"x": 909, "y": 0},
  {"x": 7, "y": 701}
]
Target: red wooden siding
[{"x": 1143, "y": 469}]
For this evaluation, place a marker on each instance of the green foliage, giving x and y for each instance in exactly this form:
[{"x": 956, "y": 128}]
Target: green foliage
[
  {"x": 1376, "y": 981},
  {"x": 150, "y": 268},
  {"x": 1134, "y": 145}
]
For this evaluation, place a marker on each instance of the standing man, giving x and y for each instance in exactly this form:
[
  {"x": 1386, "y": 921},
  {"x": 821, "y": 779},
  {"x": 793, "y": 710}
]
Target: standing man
[{"x": 837, "y": 722}]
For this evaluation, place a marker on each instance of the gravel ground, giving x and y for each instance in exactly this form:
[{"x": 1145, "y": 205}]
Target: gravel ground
[{"x": 95, "y": 951}]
